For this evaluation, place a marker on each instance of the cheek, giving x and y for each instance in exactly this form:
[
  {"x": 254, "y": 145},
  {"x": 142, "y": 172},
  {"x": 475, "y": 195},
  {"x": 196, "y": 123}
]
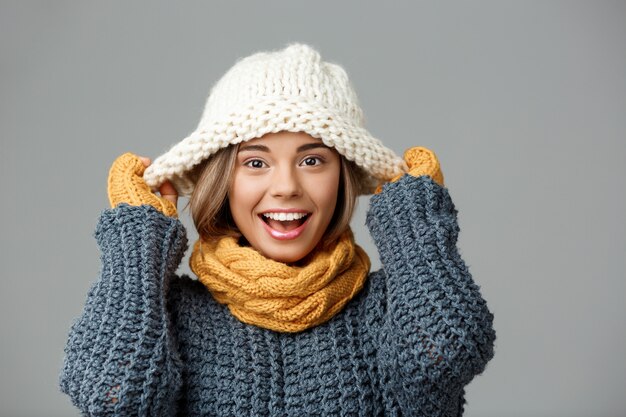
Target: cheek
[
  {"x": 324, "y": 192},
  {"x": 242, "y": 197}
]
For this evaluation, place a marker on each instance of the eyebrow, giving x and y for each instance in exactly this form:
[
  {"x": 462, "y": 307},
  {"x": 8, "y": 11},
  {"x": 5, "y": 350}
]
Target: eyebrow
[{"x": 263, "y": 148}]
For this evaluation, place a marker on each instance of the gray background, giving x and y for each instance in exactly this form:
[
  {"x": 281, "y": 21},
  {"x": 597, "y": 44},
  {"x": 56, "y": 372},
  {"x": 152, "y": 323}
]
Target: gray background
[{"x": 524, "y": 103}]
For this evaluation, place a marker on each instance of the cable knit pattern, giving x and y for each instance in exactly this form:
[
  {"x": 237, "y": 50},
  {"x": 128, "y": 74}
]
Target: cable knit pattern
[
  {"x": 277, "y": 296},
  {"x": 152, "y": 343},
  {"x": 293, "y": 90}
]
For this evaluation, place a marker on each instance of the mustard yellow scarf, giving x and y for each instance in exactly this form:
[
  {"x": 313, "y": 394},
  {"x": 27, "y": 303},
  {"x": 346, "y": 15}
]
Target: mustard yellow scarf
[{"x": 277, "y": 296}]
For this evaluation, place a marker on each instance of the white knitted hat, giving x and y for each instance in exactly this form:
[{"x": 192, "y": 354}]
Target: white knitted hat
[{"x": 286, "y": 90}]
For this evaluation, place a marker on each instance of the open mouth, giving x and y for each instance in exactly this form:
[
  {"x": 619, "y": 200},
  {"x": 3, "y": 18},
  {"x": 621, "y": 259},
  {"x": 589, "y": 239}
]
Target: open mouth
[{"x": 286, "y": 223}]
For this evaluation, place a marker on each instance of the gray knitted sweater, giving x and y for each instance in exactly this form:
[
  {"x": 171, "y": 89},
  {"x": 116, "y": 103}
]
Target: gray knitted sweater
[{"x": 151, "y": 343}]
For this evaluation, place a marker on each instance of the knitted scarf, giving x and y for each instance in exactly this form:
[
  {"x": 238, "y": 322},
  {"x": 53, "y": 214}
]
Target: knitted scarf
[{"x": 277, "y": 296}]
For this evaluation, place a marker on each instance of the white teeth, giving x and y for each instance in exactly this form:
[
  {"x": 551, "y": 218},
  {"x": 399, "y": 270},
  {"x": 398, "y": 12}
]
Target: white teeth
[{"x": 284, "y": 216}]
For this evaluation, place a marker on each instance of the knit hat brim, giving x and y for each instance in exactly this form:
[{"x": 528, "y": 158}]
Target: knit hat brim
[{"x": 272, "y": 114}]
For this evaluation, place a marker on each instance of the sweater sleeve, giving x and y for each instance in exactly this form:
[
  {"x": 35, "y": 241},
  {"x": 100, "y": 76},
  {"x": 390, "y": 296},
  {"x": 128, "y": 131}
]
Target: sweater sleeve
[
  {"x": 121, "y": 357},
  {"x": 437, "y": 332}
]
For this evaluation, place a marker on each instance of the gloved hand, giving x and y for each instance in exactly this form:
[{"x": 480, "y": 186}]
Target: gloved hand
[
  {"x": 421, "y": 161},
  {"x": 126, "y": 185}
]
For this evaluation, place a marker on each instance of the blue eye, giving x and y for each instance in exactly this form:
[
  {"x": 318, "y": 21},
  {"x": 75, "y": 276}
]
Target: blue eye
[{"x": 254, "y": 163}]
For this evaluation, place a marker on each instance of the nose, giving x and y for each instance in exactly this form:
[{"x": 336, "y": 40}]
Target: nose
[{"x": 285, "y": 183}]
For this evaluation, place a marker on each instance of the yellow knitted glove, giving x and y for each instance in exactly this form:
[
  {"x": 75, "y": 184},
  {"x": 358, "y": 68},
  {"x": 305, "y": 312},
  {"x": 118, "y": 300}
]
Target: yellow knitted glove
[
  {"x": 126, "y": 185},
  {"x": 421, "y": 161}
]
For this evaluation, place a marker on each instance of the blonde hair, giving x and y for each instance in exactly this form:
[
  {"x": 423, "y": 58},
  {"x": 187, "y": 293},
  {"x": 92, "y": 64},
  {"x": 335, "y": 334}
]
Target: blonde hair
[{"x": 210, "y": 209}]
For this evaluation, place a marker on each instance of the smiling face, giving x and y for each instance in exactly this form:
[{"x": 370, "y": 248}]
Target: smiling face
[{"x": 284, "y": 193}]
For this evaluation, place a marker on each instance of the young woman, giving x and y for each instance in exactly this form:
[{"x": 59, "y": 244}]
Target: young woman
[{"x": 285, "y": 317}]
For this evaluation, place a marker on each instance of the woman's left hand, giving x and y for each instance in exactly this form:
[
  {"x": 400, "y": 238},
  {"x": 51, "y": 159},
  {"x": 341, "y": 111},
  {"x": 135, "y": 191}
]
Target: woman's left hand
[{"x": 421, "y": 161}]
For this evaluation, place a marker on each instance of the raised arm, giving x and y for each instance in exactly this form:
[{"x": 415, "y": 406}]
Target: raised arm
[
  {"x": 438, "y": 332},
  {"x": 121, "y": 356}
]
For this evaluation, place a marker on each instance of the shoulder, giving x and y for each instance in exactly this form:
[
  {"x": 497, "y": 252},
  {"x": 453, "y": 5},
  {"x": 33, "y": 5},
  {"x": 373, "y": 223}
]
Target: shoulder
[
  {"x": 375, "y": 284},
  {"x": 185, "y": 288},
  {"x": 371, "y": 300}
]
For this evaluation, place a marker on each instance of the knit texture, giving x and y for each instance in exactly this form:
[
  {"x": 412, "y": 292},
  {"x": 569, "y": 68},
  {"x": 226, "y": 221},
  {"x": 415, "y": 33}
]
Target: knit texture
[
  {"x": 291, "y": 89},
  {"x": 125, "y": 184},
  {"x": 420, "y": 161},
  {"x": 277, "y": 296},
  {"x": 152, "y": 343}
]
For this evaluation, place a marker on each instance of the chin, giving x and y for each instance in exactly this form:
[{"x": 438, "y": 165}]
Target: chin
[{"x": 286, "y": 256}]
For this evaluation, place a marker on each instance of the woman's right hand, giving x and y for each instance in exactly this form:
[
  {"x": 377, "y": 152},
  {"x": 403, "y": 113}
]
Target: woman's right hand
[{"x": 126, "y": 185}]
